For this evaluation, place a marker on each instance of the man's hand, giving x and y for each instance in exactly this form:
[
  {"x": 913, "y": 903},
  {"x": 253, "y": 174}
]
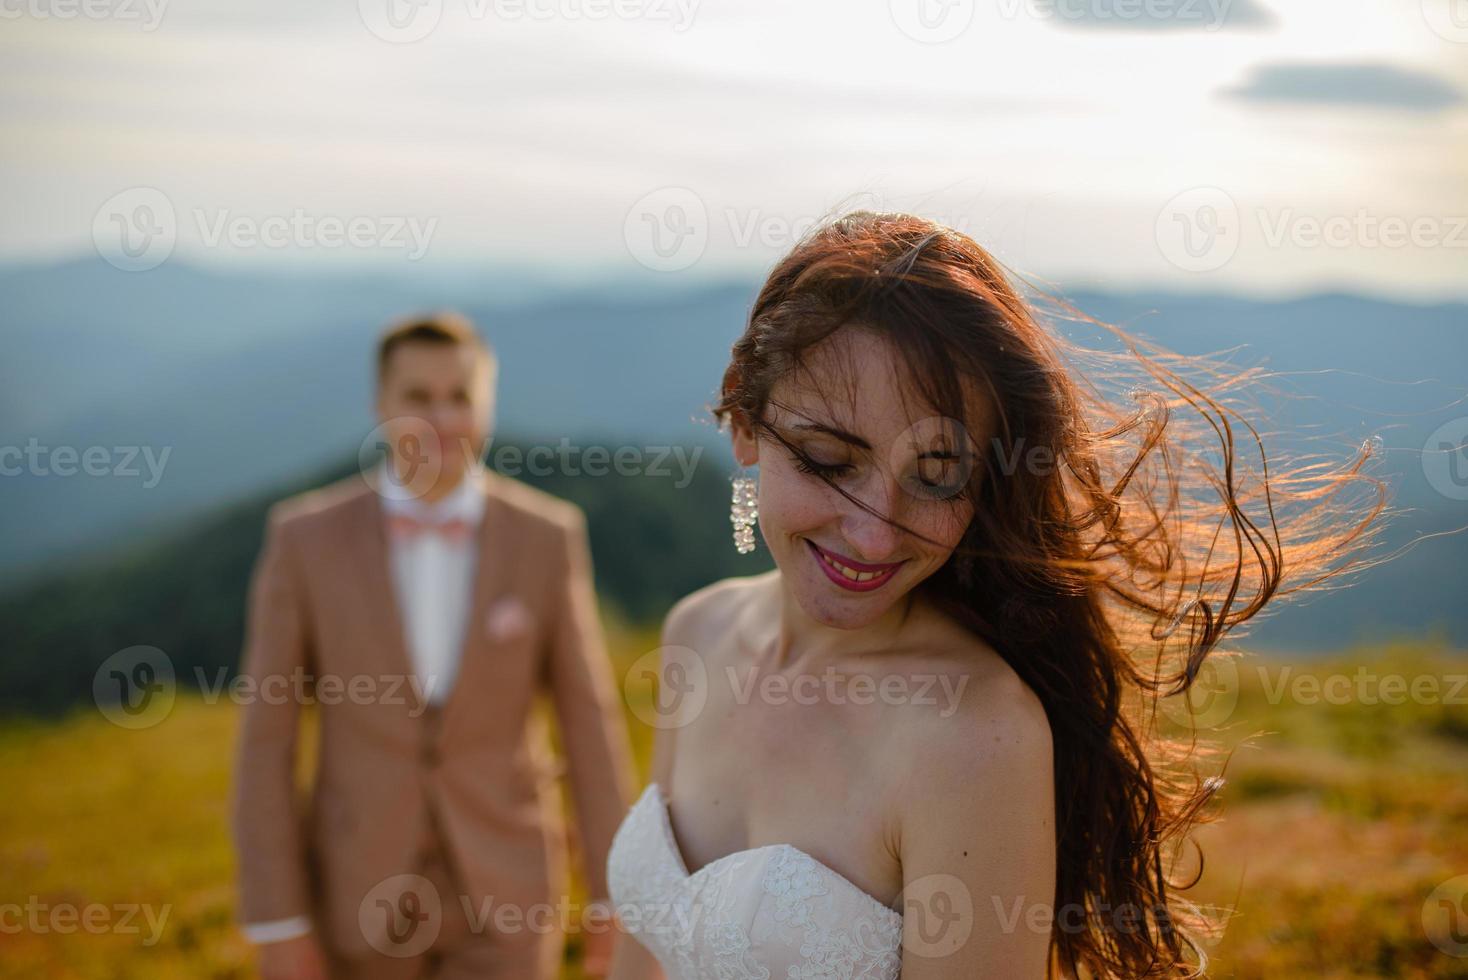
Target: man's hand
[
  {"x": 599, "y": 948},
  {"x": 292, "y": 959}
]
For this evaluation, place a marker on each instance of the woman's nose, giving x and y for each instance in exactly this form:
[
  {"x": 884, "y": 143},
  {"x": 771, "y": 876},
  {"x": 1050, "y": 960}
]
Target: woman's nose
[{"x": 872, "y": 535}]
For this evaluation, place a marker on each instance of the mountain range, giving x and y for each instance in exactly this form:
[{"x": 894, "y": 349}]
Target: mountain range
[{"x": 241, "y": 383}]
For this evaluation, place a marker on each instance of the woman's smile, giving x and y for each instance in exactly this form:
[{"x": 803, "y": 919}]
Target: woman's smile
[{"x": 851, "y": 574}]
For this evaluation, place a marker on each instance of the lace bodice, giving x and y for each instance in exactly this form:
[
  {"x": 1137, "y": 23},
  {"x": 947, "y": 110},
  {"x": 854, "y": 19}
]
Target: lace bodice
[{"x": 767, "y": 912}]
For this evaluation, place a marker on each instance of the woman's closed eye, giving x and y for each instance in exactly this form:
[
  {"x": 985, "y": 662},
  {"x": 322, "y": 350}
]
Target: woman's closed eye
[
  {"x": 938, "y": 474},
  {"x": 806, "y": 463}
]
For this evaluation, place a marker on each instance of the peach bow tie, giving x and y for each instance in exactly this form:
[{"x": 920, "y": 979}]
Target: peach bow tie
[{"x": 455, "y": 529}]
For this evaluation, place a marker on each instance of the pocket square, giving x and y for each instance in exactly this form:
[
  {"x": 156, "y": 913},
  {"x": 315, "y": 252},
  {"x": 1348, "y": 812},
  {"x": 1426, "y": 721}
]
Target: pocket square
[{"x": 507, "y": 618}]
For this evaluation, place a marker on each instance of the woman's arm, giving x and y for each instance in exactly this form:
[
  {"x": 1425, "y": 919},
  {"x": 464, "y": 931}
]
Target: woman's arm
[{"x": 978, "y": 842}]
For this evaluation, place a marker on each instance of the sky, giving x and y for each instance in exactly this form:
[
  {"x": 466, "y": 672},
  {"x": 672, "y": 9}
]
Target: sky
[{"x": 1257, "y": 146}]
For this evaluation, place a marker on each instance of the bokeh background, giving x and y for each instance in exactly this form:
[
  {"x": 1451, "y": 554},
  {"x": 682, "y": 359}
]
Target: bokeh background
[{"x": 209, "y": 207}]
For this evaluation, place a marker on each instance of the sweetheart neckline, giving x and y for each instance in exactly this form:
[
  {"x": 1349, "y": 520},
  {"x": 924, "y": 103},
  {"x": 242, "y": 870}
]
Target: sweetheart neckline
[{"x": 666, "y": 816}]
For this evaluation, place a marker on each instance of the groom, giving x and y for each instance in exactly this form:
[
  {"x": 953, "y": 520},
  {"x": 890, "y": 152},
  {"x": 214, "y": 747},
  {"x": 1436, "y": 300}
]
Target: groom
[{"x": 421, "y": 606}]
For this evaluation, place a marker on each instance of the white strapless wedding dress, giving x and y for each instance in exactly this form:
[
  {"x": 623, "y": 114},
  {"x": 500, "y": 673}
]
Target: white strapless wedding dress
[{"x": 768, "y": 912}]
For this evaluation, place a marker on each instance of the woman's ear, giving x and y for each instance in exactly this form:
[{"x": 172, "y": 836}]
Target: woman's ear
[
  {"x": 741, "y": 432},
  {"x": 745, "y": 445}
]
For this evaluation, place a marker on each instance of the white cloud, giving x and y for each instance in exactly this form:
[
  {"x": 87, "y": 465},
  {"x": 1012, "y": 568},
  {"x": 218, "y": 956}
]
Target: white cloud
[{"x": 532, "y": 138}]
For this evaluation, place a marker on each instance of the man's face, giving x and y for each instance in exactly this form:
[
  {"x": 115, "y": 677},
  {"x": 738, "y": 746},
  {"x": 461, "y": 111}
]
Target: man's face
[{"x": 436, "y": 403}]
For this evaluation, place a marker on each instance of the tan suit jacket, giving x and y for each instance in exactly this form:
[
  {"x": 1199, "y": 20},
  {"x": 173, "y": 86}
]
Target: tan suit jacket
[{"x": 322, "y": 606}]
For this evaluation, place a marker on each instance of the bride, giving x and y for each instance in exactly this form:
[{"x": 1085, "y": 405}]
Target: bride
[{"x": 925, "y": 745}]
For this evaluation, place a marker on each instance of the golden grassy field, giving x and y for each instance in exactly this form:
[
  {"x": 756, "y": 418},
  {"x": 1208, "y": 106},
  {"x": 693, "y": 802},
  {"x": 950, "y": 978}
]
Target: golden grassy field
[{"x": 1338, "y": 823}]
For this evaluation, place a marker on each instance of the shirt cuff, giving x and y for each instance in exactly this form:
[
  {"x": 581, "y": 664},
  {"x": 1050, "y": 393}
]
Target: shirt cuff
[{"x": 277, "y": 931}]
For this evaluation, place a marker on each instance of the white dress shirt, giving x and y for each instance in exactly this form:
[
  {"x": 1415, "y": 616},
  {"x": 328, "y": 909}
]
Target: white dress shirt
[
  {"x": 433, "y": 580},
  {"x": 433, "y": 577}
]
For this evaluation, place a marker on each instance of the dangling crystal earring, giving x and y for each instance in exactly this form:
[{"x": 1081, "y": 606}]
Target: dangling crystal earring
[{"x": 743, "y": 511}]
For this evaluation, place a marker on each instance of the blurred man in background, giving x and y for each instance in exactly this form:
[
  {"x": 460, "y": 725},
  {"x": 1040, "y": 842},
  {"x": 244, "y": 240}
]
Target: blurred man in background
[{"x": 420, "y": 606}]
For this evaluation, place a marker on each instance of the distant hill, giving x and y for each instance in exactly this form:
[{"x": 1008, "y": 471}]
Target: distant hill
[
  {"x": 248, "y": 380},
  {"x": 653, "y": 539},
  {"x": 253, "y": 384}
]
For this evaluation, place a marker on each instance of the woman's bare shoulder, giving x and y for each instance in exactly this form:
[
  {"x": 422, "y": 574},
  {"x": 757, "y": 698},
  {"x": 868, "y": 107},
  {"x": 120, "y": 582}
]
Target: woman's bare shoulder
[
  {"x": 988, "y": 751},
  {"x": 974, "y": 811},
  {"x": 701, "y": 622},
  {"x": 987, "y": 708},
  {"x": 713, "y": 607}
]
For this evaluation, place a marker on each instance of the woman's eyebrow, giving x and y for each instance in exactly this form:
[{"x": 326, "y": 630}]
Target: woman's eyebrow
[{"x": 844, "y": 436}]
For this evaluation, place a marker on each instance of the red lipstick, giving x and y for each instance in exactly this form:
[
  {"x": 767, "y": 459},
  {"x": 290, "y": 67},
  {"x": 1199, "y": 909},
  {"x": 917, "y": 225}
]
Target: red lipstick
[{"x": 856, "y": 576}]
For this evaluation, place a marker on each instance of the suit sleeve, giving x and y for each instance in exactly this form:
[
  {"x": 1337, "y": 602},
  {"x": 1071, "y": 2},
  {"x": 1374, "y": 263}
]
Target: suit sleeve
[
  {"x": 589, "y": 709},
  {"x": 266, "y": 813}
]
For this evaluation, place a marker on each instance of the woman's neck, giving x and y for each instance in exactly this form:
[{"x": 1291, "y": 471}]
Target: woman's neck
[{"x": 808, "y": 642}]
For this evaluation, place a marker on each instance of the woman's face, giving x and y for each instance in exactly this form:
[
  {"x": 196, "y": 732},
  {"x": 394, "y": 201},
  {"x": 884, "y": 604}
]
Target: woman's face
[{"x": 848, "y": 414}]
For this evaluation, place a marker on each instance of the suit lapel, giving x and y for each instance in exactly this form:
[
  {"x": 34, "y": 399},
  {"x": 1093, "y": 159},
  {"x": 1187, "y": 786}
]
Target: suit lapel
[
  {"x": 378, "y": 593},
  {"x": 380, "y": 596},
  {"x": 490, "y": 578}
]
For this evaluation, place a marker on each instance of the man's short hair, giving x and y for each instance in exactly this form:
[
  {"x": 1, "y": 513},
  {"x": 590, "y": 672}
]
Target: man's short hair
[{"x": 433, "y": 328}]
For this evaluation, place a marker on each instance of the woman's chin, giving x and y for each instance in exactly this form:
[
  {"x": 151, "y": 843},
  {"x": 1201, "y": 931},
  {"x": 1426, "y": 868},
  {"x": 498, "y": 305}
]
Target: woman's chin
[{"x": 843, "y": 611}]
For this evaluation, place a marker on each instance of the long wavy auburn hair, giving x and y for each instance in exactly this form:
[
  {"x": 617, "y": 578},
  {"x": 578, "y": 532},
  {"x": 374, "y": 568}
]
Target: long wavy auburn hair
[{"x": 1104, "y": 580}]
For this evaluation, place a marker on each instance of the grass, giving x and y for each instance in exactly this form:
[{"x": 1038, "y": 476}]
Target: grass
[{"x": 1339, "y": 819}]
